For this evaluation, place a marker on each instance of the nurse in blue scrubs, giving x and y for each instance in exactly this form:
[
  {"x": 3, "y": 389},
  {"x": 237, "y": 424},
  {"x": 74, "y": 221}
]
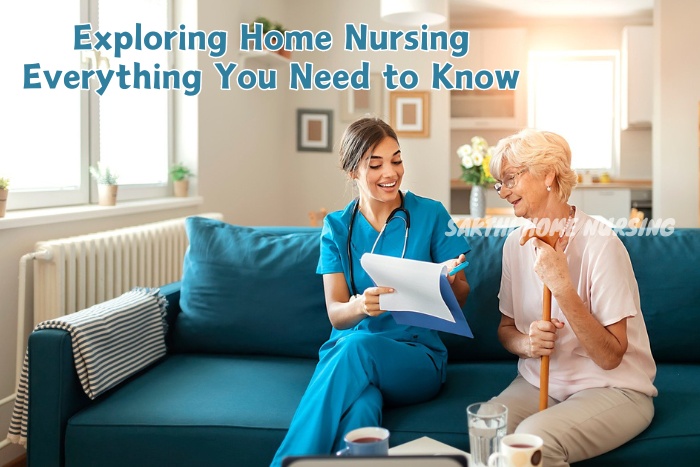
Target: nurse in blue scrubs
[{"x": 370, "y": 360}]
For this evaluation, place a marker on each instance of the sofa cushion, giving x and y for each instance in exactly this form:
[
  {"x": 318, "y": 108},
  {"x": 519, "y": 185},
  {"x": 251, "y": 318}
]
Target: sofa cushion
[
  {"x": 227, "y": 410},
  {"x": 673, "y": 438},
  {"x": 192, "y": 410},
  {"x": 251, "y": 291},
  {"x": 669, "y": 289}
]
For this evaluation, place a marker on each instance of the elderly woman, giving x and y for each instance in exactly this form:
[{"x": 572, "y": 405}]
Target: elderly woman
[{"x": 601, "y": 367}]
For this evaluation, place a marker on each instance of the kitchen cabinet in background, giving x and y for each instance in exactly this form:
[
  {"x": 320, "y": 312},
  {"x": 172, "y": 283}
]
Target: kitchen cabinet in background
[
  {"x": 492, "y": 49},
  {"x": 637, "y": 42},
  {"x": 610, "y": 203},
  {"x": 613, "y": 202}
]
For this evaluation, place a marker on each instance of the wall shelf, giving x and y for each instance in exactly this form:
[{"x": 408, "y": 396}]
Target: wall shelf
[{"x": 265, "y": 57}]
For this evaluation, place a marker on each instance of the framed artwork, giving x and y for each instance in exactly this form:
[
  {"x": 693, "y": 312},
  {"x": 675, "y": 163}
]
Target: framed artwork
[
  {"x": 314, "y": 130},
  {"x": 358, "y": 103},
  {"x": 409, "y": 113}
]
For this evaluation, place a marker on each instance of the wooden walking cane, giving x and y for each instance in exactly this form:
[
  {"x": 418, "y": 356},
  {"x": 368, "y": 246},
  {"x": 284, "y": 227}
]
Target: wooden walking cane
[{"x": 550, "y": 240}]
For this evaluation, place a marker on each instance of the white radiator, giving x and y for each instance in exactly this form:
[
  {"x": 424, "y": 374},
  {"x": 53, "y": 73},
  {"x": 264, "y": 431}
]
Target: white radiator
[{"x": 73, "y": 273}]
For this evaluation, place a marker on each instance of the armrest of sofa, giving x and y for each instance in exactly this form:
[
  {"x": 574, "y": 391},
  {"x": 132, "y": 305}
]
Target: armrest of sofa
[
  {"x": 171, "y": 292},
  {"x": 55, "y": 394},
  {"x": 55, "y": 391}
]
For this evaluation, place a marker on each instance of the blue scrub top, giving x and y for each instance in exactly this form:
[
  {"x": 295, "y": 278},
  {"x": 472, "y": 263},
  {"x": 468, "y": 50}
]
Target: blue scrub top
[{"x": 427, "y": 241}]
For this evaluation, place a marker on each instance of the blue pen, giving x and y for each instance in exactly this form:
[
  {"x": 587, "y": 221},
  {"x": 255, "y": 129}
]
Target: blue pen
[{"x": 459, "y": 268}]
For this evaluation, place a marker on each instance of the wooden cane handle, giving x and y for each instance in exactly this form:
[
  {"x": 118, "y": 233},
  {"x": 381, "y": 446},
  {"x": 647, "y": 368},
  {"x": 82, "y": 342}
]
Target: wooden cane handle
[{"x": 530, "y": 233}]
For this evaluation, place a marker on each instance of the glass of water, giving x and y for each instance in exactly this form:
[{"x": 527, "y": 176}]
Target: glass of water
[{"x": 487, "y": 426}]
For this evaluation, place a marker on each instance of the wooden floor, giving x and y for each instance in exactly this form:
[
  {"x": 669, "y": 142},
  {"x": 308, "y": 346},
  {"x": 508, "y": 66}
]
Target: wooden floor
[{"x": 19, "y": 462}]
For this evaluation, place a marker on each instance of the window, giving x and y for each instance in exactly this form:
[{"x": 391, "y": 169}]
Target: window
[
  {"x": 50, "y": 137},
  {"x": 575, "y": 94}
]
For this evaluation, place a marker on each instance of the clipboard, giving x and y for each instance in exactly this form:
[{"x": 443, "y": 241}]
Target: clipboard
[{"x": 422, "y": 294}]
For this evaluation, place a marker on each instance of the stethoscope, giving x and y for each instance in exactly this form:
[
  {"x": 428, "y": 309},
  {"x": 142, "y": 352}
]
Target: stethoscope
[{"x": 406, "y": 221}]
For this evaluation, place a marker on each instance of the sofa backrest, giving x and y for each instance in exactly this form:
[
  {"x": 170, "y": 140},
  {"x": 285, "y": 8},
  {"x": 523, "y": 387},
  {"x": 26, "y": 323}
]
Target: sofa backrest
[
  {"x": 481, "y": 309},
  {"x": 255, "y": 291},
  {"x": 668, "y": 276},
  {"x": 248, "y": 290}
]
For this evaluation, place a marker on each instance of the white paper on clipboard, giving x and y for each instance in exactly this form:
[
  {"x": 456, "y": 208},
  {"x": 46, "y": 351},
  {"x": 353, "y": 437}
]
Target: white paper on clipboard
[{"x": 422, "y": 295}]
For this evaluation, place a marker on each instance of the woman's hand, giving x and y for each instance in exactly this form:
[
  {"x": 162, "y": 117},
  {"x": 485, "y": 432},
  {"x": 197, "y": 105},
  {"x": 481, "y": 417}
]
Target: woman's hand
[
  {"x": 551, "y": 265},
  {"x": 542, "y": 336},
  {"x": 451, "y": 264},
  {"x": 368, "y": 302},
  {"x": 539, "y": 341},
  {"x": 458, "y": 282}
]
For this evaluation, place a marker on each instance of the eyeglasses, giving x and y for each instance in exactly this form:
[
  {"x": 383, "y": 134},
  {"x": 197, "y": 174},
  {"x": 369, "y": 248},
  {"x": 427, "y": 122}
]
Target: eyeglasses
[{"x": 509, "y": 182}]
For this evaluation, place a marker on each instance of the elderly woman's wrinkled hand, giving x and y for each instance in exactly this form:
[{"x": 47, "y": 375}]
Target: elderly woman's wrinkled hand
[
  {"x": 543, "y": 335},
  {"x": 551, "y": 265}
]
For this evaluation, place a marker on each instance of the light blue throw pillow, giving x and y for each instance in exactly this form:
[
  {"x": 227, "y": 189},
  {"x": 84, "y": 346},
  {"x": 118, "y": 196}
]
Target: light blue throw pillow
[{"x": 251, "y": 290}]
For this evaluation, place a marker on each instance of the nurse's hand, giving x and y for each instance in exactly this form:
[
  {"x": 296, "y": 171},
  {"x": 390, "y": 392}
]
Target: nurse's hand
[
  {"x": 458, "y": 282},
  {"x": 451, "y": 264},
  {"x": 368, "y": 302}
]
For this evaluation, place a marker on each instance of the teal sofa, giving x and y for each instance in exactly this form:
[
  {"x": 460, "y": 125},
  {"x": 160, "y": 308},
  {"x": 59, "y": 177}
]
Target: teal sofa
[{"x": 245, "y": 325}]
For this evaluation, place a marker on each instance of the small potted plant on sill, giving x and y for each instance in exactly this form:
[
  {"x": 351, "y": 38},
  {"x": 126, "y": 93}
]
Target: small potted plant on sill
[
  {"x": 180, "y": 175},
  {"x": 4, "y": 183},
  {"x": 106, "y": 184}
]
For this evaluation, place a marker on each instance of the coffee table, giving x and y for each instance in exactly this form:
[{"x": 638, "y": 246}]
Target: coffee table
[{"x": 427, "y": 445}]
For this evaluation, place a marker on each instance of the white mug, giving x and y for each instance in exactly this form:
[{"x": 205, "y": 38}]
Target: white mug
[
  {"x": 367, "y": 441},
  {"x": 518, "y": 450}
]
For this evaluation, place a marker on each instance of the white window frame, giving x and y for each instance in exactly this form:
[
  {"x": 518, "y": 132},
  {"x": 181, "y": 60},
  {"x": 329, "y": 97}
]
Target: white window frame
[
  {"x": 583, "y": 55},
  {"x": 90, "y": 147}
]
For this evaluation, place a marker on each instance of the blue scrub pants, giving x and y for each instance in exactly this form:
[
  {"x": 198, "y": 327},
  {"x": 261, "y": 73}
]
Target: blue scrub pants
[{"x": 351, "y": 382}]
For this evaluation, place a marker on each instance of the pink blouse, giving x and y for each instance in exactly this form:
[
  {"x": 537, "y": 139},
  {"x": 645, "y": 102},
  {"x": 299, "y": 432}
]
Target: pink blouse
[{"x": 600, "y": 269}]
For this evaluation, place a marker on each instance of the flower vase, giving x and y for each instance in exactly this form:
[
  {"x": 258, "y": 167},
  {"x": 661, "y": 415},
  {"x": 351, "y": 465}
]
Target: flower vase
[{"x": 477, "y": 202}]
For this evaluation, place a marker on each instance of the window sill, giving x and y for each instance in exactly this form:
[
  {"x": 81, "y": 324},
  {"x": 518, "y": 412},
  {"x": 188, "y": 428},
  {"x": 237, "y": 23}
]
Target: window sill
[{"x": 30, "y": 217}]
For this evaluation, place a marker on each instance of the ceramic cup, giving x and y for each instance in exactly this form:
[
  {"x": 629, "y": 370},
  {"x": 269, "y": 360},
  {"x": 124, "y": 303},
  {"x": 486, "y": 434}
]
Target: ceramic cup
[
  {"x": 518, "y": 450},
  {"x": 367, "y": 441}
]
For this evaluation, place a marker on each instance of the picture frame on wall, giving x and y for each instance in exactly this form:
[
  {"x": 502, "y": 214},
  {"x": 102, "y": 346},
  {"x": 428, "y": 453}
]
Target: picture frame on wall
[
  {"x": 358, "y": 103},
  {"x": 409, "y": 113},
  {"x": 314, "y": 130}
]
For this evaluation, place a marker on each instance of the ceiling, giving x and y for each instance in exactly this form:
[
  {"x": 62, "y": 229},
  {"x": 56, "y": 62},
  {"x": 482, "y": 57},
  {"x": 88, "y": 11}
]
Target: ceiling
[{"x": 464, "y": 9}]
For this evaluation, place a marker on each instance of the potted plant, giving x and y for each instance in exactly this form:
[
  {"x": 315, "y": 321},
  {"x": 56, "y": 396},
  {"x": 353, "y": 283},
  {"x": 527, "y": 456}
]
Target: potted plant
[
  {"x": 284, "y": 53},
  {"x": 106, "y": 184},
  {"x": 4, "y": 183},
  {"x": 180, "y": 175},
  {"x": 268, "y": 26}
]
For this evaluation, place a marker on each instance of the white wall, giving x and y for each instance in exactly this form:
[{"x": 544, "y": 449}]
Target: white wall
[
  {"x": 676, "y": 99},
  {"x": 249, "y": 168},
  {"x": 243, "y": 161},
  {"x": 315, "y": 179}
]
